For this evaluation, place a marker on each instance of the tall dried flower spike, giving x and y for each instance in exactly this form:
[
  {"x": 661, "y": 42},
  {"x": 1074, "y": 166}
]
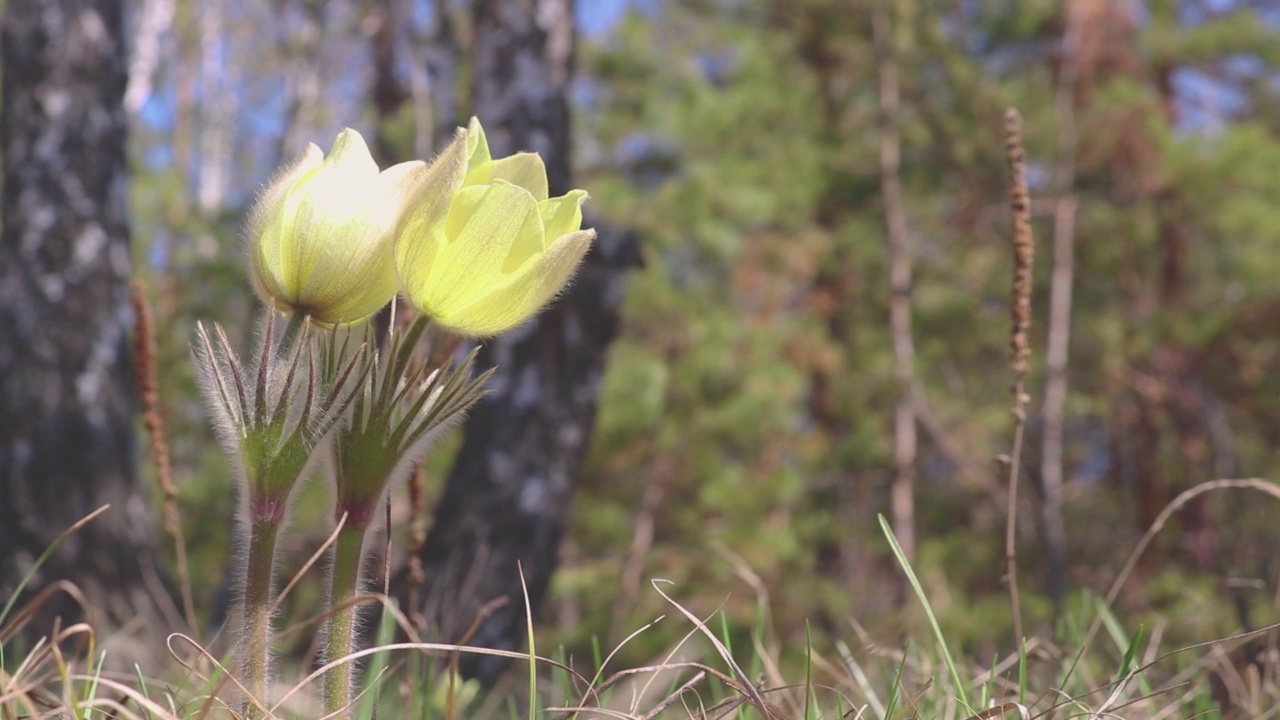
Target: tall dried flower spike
[
  {"x": 320, "y": 234},
  {"x": 1019, "y": 347},
  {"x": 1023, "y": 247},
  {"x": 148, "y": 388},
  {"x": 493, "y": 250}
]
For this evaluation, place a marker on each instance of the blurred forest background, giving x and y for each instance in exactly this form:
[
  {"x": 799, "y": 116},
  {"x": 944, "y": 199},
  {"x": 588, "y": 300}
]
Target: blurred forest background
[{"x": 816, "y": 321}]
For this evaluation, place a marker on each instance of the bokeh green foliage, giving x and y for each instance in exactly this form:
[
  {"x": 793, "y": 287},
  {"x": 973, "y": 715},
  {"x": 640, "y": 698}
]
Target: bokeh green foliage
[
  {"x": 753, "y": 385},
  {"x": 747, "y": 410}
]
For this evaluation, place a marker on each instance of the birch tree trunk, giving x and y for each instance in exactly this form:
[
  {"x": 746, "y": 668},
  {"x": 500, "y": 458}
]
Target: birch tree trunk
[
  {"x": 507, "y": 497},
  {"x": 213, "y": 179},
  {"x": 67, "y": 405},
  {"x": 302, "y": 45}
]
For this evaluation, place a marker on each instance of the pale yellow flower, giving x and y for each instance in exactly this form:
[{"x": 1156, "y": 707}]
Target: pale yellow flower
[
  {"x": 493, "y": 250},
  {"x": 320, "y": 233}
]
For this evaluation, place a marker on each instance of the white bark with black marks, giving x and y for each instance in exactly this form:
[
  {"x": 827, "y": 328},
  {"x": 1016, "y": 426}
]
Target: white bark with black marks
[{"x": 67, "y": 403}]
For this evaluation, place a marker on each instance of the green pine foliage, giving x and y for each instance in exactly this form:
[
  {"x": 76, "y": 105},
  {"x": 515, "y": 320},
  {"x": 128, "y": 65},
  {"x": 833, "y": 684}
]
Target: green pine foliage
[{"x": 753, "y": 387}]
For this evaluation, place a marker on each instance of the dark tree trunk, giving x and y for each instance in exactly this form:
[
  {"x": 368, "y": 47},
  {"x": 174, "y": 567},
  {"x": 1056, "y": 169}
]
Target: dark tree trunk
[
  {"x": 66, "y": 398},
  {"x": 508, "y": 495},
  {"x": 386, "y": 90}
]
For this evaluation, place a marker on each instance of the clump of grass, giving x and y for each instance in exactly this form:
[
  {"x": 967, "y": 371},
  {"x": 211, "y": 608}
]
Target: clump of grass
[{"x": 704, "y": 675}]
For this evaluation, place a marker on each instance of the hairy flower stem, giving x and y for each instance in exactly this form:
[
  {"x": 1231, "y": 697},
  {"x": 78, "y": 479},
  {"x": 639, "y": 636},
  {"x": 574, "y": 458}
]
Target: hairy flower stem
[
  {"x": 255, "y": 659},
  {"x": 341, "y": 642},
  {"x": 291, "y": 333}
]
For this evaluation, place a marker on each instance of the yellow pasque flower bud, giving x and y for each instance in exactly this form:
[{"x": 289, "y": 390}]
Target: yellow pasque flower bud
[
  {"x": 490, "y": 253},
  {"x": 320, "y": 233}
]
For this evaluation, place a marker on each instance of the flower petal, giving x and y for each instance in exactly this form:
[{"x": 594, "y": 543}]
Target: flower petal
[
  {"x": 524, "y": 169},
  {"x": 272, "y": 194},
  {"x": 527, "y": 293},
  {"x": 264, "y": 246},
  {"x": 427, "y": 205},
  {"x": 397, "y": 185},
  {"x": 351, "y": 154},
  {"x": 563, "y": 215},
  {"x": 329, "y": 199},
  {"x": 421, "y": 228},
  {"x": 471, "y": 247},
  {"x": 478, "y": 157}
]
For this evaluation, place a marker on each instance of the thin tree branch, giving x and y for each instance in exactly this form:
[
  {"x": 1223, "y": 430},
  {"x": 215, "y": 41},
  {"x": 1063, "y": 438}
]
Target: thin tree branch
[
  {"x": 1059, "y": 330},
  {"x": 904, "y": 420}
]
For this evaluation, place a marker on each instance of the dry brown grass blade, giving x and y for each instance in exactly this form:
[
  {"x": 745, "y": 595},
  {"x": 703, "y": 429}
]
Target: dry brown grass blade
[
  {"x": 622, "y": 674},
  {"x": 749, "y": 689},
  {"x": 154, "y": 709},
  {"x": 20, "y": 697},
  {"x": 606, "y": 712},
  {"x": 1264, "y": 486},
  {"x": 766, "y": 655},
  {"x": 455, "y": 658},
  {"x": 402, "y": 621},
  {"x": 311, "y": 561},
  {"x": 442, "y": 648},
  {"x": 729, "y": 708},
  {"x": 1000, "y": 711},
  {"x": 46, "y": 664},
  {"x": 668, "y": 663},
  {"x": 225, "y": 675},
  {"x": 1115, "y": 685},
  {"x": 33, "y": 606},
  {"x": 676, "y": 695},
  {"x": 25, "y": 691},
  {"x": 53, "y": 547},
  {"x": 593, "y": 687}
]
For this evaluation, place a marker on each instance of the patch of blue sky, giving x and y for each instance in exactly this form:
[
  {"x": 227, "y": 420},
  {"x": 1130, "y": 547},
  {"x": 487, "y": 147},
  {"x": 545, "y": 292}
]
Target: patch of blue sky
[
  {"x": 1205, "y": 103},
  {"x": 598, "y": 17},
  {"x": 156, "y": 115},
  {"x": 594, "y": 17}
]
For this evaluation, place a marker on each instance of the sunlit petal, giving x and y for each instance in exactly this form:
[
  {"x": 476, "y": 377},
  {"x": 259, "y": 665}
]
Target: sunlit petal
[
  {"x": 528, "y": 292},
  {"x": 500, "y": 252},
  {"x": 523, "y": 169}
]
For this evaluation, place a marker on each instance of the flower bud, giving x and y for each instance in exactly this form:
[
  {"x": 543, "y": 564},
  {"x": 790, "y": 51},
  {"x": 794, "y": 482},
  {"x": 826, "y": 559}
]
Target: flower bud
[{"x": 320, "y": 233}]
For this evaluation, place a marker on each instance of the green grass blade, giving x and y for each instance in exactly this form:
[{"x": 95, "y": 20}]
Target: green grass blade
[
  {"x": 928, "y": 610},
  {"x": 533, "y": 650},
  {"x": 896, "y": 688},
  {"x": 49, "y": 551},
  {"x": 810, "y": 708},
  {"x": 375, "y": 673},
  {"x": 1022, "y": 673},
  {"x": 142, "y": 685},
  {"x": 1126, "y": 664}
]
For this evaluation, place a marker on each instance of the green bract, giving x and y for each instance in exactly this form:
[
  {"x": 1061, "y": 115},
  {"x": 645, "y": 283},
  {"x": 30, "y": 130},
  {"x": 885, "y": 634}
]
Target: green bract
[
  {"x": 398, "y": 411},
  {"x": 319, "y": 235},
  {"x": 270, "y": 411},
  {"x": 492, "y": 250}
]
